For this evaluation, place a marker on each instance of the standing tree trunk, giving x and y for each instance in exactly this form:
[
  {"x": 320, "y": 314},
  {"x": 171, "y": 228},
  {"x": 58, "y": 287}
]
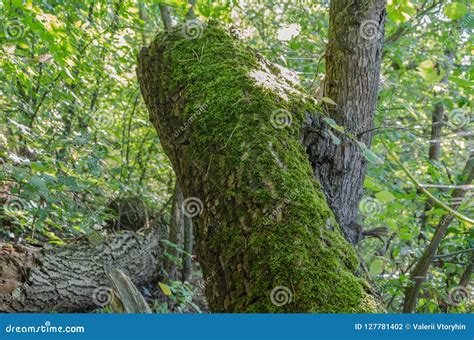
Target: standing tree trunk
[
  {"x": 353, "y": 57},
  {"x": 188, "y": 249},
  {"x": 265, "y": 236},
  {"x": 437, "y": 124},
  {"x": 175, "y": 234}
]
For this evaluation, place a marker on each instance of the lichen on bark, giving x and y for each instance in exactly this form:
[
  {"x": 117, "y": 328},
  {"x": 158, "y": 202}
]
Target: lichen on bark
[{"x": 265, "y": 222}]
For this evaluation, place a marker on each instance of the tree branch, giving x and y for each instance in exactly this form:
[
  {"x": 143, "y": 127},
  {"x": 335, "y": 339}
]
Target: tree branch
[
  {"x": 435, "y": 200},
  {"x": 166, "y": 16},
  {"x": 453, "y": 254},
  {"x": 418, "y": 274},
  {"x": 190, "y": 15}
]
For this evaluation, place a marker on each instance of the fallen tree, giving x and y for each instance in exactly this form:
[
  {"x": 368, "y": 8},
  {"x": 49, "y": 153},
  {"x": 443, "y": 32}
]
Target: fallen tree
[
  {"x": 74, "y": 278},
  {"x": 265, "y": 236}
]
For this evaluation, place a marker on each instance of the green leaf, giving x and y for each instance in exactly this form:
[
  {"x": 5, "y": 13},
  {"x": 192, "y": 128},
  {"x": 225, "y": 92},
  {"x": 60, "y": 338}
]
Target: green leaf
[
  {"x": 391, "y": 224},
  {"x": 369, "y": 155},
  {"x": 430, "y": 71},
  {"x": 17, "y": 3},
  {"x": 408, "y": 8},
  {"x": 332, "y": 123},
  {"x": 395, "y": 16},
  {"x": 328, "y": 100},
  {"x": 370, "y": 184},
  {"x": 376, "y": 267},
  {"x": 455, "y": 10},
  {"x": 385, "y": 196},
  {"x": 37, "y": 183},
  {"x": 165, "y": 288},
  {"x": 334, "y": 138}
]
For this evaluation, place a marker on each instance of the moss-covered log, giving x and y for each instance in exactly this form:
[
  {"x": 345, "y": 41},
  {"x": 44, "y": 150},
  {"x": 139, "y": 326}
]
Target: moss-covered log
[{"x": 230, "y": 122}]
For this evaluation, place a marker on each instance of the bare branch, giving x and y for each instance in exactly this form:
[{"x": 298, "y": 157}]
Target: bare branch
[{"x": 166, "y": 16}]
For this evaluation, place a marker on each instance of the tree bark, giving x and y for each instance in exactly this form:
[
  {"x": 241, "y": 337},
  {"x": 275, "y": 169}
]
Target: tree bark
[
  {"x": 166, "y": 16},
  {"x": 188, "y": 249},
  {"x": 353, "y": 58},
  {"x": 437, "y": 123},
  {"x": 74, "y": 278},
  {"x": 175, "y": 234},
  {"x": 265, "y": 236}
]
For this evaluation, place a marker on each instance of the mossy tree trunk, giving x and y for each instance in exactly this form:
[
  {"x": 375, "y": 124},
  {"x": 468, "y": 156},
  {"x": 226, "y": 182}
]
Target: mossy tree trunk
[
  {"x": 230, "y": 122},
  {"x": 353, "y": 58}
]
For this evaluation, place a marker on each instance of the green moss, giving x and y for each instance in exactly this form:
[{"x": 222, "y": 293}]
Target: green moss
[{"x": 290, "y": 235}]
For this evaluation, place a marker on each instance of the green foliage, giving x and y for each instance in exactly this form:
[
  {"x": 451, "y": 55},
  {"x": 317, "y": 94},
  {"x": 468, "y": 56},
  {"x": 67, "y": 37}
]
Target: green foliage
[
  {"x": 426, "y": 66},
  {"x": 179, "y": 298},
  {"x": 74, "y": 132}
]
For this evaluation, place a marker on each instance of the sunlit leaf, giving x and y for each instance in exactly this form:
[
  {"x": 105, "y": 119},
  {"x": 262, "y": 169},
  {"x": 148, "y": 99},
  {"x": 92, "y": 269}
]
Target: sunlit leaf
[
  {"x": 328, "y": 100},
  {"x": 455, "y": 10},
  {"x": 376, "y": 267},
  {"x": 165, "y": 288},
  {"x": 385, "y": 196}
]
